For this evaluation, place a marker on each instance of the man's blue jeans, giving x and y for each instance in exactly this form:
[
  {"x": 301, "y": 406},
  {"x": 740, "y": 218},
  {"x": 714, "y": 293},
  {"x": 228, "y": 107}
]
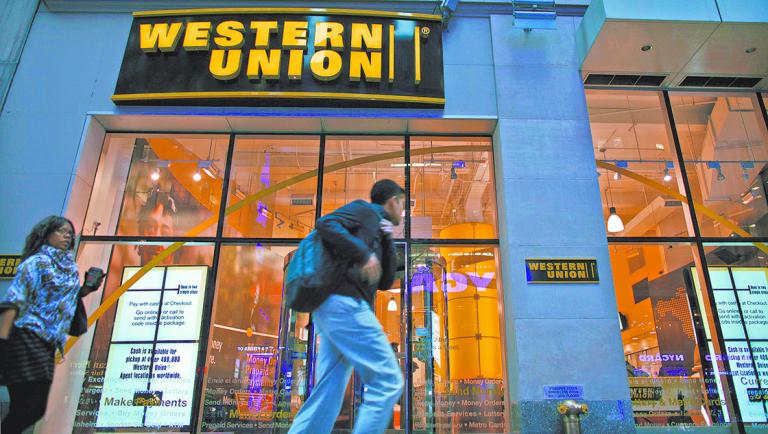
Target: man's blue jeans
[{"x": 350, "y": 337}]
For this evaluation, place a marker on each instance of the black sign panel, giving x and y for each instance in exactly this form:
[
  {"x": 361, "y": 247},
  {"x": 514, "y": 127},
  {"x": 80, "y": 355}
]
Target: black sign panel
[
  {"x": 297, "y": 57},
  {"x": 8, "y": 265},
  {"x": 561, "y": 270}
]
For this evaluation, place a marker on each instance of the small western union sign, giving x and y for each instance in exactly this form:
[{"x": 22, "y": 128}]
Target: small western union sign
[
  {"x": 561, "y": 270},
  {"x": 8, "y": 265}
]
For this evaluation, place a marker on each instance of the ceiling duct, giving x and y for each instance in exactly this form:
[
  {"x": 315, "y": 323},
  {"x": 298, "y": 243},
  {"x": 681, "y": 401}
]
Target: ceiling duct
[
  {"x": 715, "y": 81},
  {"x": 624, "y": 80}
]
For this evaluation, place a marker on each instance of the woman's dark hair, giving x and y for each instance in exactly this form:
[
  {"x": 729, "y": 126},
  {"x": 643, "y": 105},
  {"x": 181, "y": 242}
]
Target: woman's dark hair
[
  {"x": 384, "y": 189},
  {"x": 40, "y": 233}
]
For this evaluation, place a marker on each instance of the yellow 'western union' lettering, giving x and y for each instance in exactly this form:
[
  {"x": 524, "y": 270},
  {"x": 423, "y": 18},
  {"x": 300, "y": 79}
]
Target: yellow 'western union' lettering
[{"x": 164, "y": 36}]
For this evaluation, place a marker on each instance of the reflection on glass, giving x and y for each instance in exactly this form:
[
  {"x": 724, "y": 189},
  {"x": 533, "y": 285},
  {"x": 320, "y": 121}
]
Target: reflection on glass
[
  {"x": 448, "y": 188},
  {"x": 118, "y": 365},
  {"x": 354, "y": 164},
  {"x": 739, "y": 276},
  {"x": 243, "y": 383},
  {"x": 725, "y": 156},
  {"x": 260, "y": 163},
  {"x": 629, "y": 132},
  {"x": 457, "y": 348},
  {"x": 157, "y": 185},
  {"x": 671, "y": 375}
]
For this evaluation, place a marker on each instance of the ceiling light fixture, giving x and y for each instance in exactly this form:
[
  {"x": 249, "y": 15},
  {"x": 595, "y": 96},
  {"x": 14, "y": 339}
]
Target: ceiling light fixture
[
  {"x": 614, "y": 221},
  {"x": 392, "y": 305}
]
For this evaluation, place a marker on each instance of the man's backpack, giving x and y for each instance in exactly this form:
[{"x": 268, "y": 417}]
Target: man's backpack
[{"x": 311, "y": 275}]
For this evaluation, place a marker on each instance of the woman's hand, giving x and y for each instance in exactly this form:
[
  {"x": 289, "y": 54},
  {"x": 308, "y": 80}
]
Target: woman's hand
[{"x": 86, "y": 289}]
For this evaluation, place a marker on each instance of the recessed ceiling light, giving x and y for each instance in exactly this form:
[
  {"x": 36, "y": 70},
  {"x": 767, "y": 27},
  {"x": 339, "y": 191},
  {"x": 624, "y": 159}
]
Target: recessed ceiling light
[
  {"x": 646, "y": 47},
  {"x": 750, "y": 50}
]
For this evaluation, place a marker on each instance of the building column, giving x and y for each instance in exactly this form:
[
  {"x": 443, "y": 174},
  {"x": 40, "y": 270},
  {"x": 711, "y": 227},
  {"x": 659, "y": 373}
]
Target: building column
[
  {"x": 15, "y": 21},
  {"x": 550, "y": 207}
]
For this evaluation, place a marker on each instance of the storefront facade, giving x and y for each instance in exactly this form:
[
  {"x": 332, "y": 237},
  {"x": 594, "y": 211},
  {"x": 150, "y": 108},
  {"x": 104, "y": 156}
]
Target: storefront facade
[{"x": 194, "y": 148}]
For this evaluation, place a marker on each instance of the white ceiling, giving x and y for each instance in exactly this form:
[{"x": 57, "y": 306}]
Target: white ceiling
[{"x": 679, "y": 49}]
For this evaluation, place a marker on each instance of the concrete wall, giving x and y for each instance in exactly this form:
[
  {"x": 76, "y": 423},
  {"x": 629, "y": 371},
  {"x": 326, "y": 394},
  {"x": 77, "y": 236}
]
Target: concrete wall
[{"x": 549, "y": 206}]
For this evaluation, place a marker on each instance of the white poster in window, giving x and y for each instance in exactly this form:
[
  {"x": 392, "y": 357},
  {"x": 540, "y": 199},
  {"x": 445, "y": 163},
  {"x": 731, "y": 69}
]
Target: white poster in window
[{"x": 150, "y": 383}]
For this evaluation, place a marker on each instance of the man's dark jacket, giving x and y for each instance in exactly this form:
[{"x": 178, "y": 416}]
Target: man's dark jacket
[{"x": 353, "y": 233}]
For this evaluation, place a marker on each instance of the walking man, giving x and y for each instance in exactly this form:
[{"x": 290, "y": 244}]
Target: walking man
[{"x": 350, "y": 335}]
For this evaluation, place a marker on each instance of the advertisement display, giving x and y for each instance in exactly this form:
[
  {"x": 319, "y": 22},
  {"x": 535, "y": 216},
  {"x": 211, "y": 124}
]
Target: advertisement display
[
  {"x": 741, "y": 300},
  {"x": 150, "y": 372}
]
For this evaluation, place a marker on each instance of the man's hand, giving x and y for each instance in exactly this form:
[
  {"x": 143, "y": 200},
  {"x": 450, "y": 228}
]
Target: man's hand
[{"x": 371, "y": 271}]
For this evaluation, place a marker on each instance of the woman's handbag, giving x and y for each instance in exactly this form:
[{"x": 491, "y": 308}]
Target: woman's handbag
[
  {"x": 79, "y": 323},
  {"x": 7, "y": 316}
]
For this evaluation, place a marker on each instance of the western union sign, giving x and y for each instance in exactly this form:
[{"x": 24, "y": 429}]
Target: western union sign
[
  {"x": 8, "y": 265},
  {"x": 561, "y": 270},
  {"x": 280, "y": 56}
]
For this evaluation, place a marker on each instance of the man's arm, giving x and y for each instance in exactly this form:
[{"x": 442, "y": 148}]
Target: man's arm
[
  {"x": 388, "y": 263},
  {"x": 336, "y": 230}
]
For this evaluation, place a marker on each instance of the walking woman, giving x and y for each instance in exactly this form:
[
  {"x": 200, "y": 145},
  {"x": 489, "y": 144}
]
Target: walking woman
[{"x": 38, "y": 313}]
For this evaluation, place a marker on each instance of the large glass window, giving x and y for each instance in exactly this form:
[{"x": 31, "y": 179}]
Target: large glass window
[
  {"x": 158, "y": 186},
  {"x": 725, "y": 152},
  {"x": 276, "y": 177},
  {"x": 638, "y": 175},
  {"x": 457, "y": 356},
  {"x": 692, "y": 301},
  {"x": 451, "y": 184},
  {"x": 670, "y": 376},
  {"x": 353, "y": 164},
  {"x": 193, "y": 333}
]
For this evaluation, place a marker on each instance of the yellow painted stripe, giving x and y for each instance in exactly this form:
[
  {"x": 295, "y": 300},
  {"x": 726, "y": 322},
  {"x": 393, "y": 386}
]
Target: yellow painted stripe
[
  {"x": 210, "y": 221},
  {"x": 288, "y": 11},
  {"x": 391, "y": 53},
  {"x": 417, "y": 54},
  {"x": 668, "y": 191},
  {"x": 287, "y": 95}
]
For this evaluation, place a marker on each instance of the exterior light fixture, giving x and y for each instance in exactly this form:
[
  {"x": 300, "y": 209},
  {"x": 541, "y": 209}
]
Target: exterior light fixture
[
  {"x": 617, "y": 176},
  {"x": 197, "y": 176},
  {"x": 155, "y": 175},
  {"x": 750, "y": 50},
  {"x": 614, "y": 221},
  {"x": 392, "y": 305},
  {"x": 646, "y": 47}
]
